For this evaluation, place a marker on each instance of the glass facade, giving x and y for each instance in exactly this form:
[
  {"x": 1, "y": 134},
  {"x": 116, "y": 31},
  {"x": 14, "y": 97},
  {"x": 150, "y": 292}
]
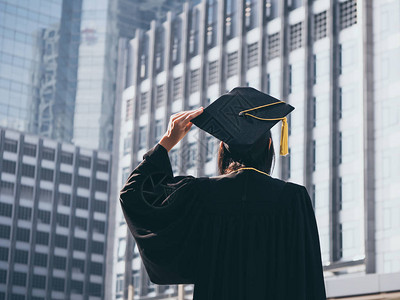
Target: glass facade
[
  {"x": 57, "y": 69},
  {"x": 94, "y": 108}
]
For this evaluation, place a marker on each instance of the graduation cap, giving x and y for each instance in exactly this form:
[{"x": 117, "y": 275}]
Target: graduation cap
[{"x": 242, "y": 118}]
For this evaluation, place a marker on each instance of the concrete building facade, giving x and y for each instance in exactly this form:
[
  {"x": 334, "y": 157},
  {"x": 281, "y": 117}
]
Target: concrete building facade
[
  {"x": 54, "y": 201},
  {"x": 335, "y": 62}
]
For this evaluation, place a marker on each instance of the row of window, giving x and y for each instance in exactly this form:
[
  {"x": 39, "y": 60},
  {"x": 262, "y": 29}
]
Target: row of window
[
  {"x": 57, "y": 284},
  {"x": 41, "y": 260},
  {"x": 11, "y": 145},
  {"x": 347, "y": 18},
  {"x": 7, "y": 188},
  {"x": 61, "y": 241}
]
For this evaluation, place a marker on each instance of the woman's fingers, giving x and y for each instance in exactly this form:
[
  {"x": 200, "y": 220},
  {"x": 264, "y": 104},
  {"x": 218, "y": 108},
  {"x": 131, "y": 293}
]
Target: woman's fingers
[{"x": 188, "y": 115}]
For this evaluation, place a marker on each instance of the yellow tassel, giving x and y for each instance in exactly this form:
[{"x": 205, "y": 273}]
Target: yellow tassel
[{"x": 284, "y": 138}]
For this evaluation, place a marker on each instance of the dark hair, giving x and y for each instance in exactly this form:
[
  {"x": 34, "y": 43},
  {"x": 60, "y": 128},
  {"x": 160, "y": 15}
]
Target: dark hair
[{"x": 227, "y": 164}]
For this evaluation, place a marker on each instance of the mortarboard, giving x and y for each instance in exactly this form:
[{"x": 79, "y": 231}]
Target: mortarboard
[{"x": 242, "y": 118}]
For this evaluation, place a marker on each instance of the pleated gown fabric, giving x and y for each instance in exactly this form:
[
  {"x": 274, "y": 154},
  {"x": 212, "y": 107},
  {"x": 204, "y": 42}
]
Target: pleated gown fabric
[{"x": 240, "y": 236}]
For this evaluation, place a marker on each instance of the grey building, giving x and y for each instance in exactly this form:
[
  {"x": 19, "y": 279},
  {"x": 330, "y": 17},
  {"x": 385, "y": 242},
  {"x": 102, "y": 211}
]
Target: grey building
[
  {"x": 337, "y": 63},
  {"x": 54, "y": 200}
]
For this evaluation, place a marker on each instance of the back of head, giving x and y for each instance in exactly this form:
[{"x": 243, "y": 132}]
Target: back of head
[{"x": 260, "y": 156}]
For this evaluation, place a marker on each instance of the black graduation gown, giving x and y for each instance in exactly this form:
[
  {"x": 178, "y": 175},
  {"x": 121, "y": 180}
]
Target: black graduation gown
[{"x": 244, "y": 235}]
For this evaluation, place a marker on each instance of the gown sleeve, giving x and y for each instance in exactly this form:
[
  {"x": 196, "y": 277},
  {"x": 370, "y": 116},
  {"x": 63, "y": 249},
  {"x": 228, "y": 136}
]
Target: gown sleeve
[
  {"x": 163, "y": 215},
  {"x": 305, "y": 239}
]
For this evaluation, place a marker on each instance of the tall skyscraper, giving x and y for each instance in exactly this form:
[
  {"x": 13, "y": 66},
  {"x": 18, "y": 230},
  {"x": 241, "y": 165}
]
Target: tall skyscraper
[
  {"x": 39, "y": 44},
  {"x": 336, "y": 62}
]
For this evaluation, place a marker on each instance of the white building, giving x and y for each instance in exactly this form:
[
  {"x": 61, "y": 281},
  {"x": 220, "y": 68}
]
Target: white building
[{"x": 337, "y": 62}]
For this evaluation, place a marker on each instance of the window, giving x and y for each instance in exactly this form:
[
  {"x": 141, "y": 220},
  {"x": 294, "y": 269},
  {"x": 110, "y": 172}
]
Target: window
[
  {"x": 99, "y": 206},
  {"x": 314, "y": 111},
  {"x": 5, "y": 231},
  {"x": 251, "y": 14},
  {"x": 46, "y": 174},
  {"x": 252, "y": 55},
  {"x": 95, "y": 289},
  {"x": 10, "y": 145},
  {"x": 129, "y": 109},
  {"x": 340, "y": 146},
  {"x": 59, "y": 262},
  {"x": 176, "y": 43},
  {"x": 5, "y": 209},
  {"x": 67, "y": 158},
  {"x": 9, "y": 166},
  {"x": 212, "y": 15},
  {"x": 48, "y": 154},
  {"x": 96, "y": 268},
  {"x": 142, "y": 137},
  {"x": 40, "y": 259},
  {"x": 348, "y": 13},
  {"x": 83, "y": 181},
  {"x": 21, "y": 256},
  {"x": 82, "y": 202},
  {"x": 42, "y": 238},
  {"x": 26, "y": 192},
  {"x": 23, "y": 234},
  {"x": 160, "y": 95},
  {"x": 144, "y": 99},
  {"x": 173, "y": 154},
  {"x": 313, "y": 155},
  {"x": 102, "y": 165},
  {"x": 158, "y": 129},
  {"x": 45, "y": 195},
  {"x": 65, "y": 178},
  {"x": 76, "y": 287},
  {"x": 97, "y": 247},
  {"x": 29, "y": 150},
  {"x": 58, "y": 284},
  {"x": 79, "y": 244},
  {"x": 43, "y": 216},
  {"x": 230, "y": 18},
  {"x": 194, "y": 81},
  {"x": 192, "y": 155},
  {"x": 84, "y": 162},
  {"x": 321, "y": 67},
  {"x": 28, "y": 170},
  {"x": 3, "y": 254},
  {"x": 127, "y": 144},
  {"x": 296, "y": 40},
  {"x": 273, "y": 45},
  {"x": 101, "y": 185},
  {"x": 39, "y": 281},
  {"x": 193, "y": 32},
  {"x": 320, "y": 29},
  {"x": 62, "y": 220},
  {"x": 271, "y": 9},
  {"x": 210, "y": 148},
  {"x": 177, "y": 90},
  {"x": 19, "y": 279},
  {"x": 81, "y": 223},
  {"x": 3, "y": 276},
  {"x": 24, "y": 213},
  {"x": 78, "y": 265},
  {"x": 61, "y": 241},
  {"x": 99, "y": 226},
  {"x": 233, "y": 64},
  {"x": 212, "y": 72},
  {"x": 7, "y": 188}
]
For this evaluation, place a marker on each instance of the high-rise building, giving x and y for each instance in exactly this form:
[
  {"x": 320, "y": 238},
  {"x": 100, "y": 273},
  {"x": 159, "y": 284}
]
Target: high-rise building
[
  {"x": 39, "y": 44},
  {"x": 336, "y": 62},
  {"x": 54, "y": 201}
]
